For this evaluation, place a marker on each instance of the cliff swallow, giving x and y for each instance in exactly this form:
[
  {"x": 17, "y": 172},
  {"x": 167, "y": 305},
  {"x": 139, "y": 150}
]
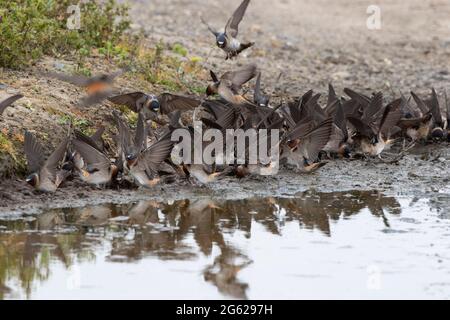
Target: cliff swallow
[
  {"x": 338, "y": 143},
  {"x": 95, "y": 167},
  {"x": 419, "y": 127},
  {"x": 45, "y": 174},
  {"x": 374, "y": 135},
  {"x": 227, "y": 40},
  {"x": 152, "y": 105},
  {"x": 133, "y": 146},
  {"x": 144, "y": 169},
  {"x": 203, "y": 174},
  {"x": 230, "y": 84},
  {"x": 8, "y": 102},
  {"x": 302, "y": 145},
  {"x": 98, "y": 87},
  {"x": 129, "y": 146},
  {"x": 259, "y": 98}
]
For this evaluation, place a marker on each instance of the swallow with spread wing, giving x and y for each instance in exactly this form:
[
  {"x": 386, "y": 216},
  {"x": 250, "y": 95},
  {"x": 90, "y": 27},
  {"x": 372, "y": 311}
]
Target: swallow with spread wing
[
  {"x": 303, "y": 144},
  {"x": 372, "y": 133},
  {"x": 230, "y": 84},
  {"x": 94, "y": 167},
  {"x": 152, "y": 105},
  {"x": 46, "y": 175},
  {"x": 98, "y": 87}
]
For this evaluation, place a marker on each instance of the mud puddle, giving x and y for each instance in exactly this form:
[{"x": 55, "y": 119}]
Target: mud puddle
[{"x": 312, "y": 245}]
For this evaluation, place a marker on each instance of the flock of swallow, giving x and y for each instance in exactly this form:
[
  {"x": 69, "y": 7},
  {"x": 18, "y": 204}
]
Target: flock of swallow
[{"x": 345, "y": 127}]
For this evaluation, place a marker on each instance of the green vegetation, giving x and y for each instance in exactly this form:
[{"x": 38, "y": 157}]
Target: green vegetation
[
  {"x": 10, "y": 157},
  {"x": 78, "y": 123},
  {"x": 179, "y": 49},
  {"x": 32, "y": 28}
]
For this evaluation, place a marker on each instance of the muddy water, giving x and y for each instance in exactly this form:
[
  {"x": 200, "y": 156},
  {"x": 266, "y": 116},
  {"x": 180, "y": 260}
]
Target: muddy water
[{"x": 313, "y": 245}]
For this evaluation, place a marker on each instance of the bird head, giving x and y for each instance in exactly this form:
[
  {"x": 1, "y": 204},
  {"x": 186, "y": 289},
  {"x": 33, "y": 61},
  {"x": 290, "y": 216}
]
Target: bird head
[
  {"x": 33, "y": 179},
  {"x": 221, "y": 41},
  {"x": 212, "y": 89}
]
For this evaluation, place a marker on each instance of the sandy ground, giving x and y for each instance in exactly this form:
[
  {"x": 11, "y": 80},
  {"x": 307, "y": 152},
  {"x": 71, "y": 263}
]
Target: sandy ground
[
  {"x": 316, "y": 42},
  {"x": 312, "y": 43}
]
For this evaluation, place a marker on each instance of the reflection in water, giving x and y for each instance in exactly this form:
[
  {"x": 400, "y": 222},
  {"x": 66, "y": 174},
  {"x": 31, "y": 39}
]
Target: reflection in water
[{"x": 30, "y": 245}]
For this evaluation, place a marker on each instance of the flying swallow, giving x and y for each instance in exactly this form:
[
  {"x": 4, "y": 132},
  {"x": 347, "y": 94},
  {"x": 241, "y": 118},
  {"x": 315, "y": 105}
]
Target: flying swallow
[
  {"x": 98, "y": 87},
  {"x": 230, "y": 84},
  {"x": 8, "y": 102},
  {"x": 45, "y": 174},
  {"x": 227, "y": 40},
  {"x": 152, "y": 105}
]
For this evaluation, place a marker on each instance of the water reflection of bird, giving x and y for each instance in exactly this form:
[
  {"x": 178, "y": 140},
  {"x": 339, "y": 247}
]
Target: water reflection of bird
[
  {"x": 224, "y": 271},
  {"x": 201, "y": 215},
  {"x": 93, "y": 216},
  {"x": 143, "y": 212},
  {"x": 165, "y": 230}
]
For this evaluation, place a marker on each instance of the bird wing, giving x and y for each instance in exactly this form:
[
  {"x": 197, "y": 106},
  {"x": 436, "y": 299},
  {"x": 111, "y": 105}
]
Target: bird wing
[
  {"x": 151, "y": 158},
  {"x": 420, "y": 103},
  {"x": 88, "y": 140},
  {"x": 360, "y": 98},
  {"x": 258, "y": 97},
  {"x": 92, "y": 157},
  {"x": 211, "y": 29},
  {"x": 214, "y": 76},
  {"x": 374, "y": 107},
  {"x": 232, "y": 27},
  {"x": 171, "y": 102},
  {"x": 241, "y": 76},
  {"x": 316, "y": 140},
  {"x": 391, "y": 117},
  {"x": 215, "y": 108},
  {"x": 97, "y": 136},
  {"x": 77, "y": 80},
  {"x": 341, "y": 120},
  {"x": 361, "y": 127},
  {"x": 112, "y": 76},
  {"x": 332, "y": 100},
  {"x": 140, "y": 139},
  {"x": 9, "y": 101},
  {"x": 52, "y": 163},
  {"x": 130, "y": 100},
  {"x": 34, "y": 153},
  {"x": 435, "y": 109}
]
